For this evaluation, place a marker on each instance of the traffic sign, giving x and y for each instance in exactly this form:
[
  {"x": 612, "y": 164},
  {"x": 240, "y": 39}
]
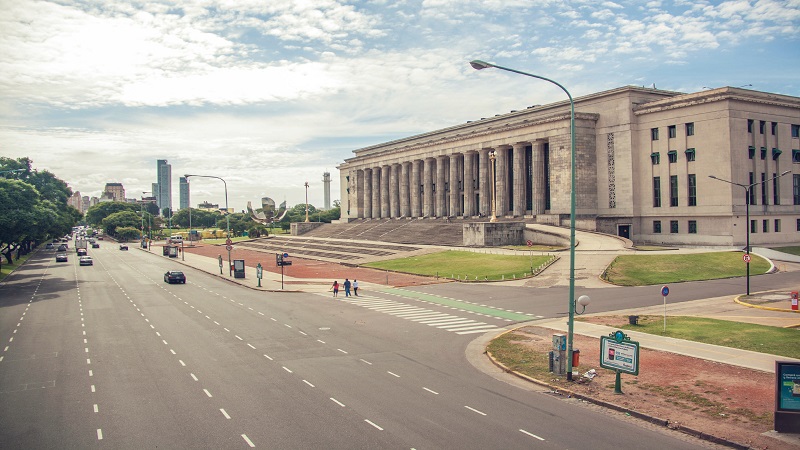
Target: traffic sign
[
  {"x": 530, "y": 243},
  {"x": 664, "y": 290},
  {"x": 229, "y": 247},
  {"x": 285, "y": 255},
  {"x": 228, "y": 241},
  {"x": 746, "y": 257}
]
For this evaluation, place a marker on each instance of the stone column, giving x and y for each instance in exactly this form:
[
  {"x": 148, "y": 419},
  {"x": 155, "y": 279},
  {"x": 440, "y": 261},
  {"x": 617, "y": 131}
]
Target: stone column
[
  {"x": 520, "y": 178},
  {"x": 405, "y": 210},
  {"x": 427, "y": 190},
  {"x": 484, "y": 173},
  {"x": 384, "y": 192},
  {"x": 367, "y": 193},
  {"x": 416, "y": 205},
  {"x": 469, "y": 184},
  {"x": 394, "y": 191},
  {"x": 455, "y": 190},
  {"x": 441, "y": 192},
  {"x": 376, "y": 193},
  {"x": 501, "y": 184},
  {"x": 538, "y": 180}
]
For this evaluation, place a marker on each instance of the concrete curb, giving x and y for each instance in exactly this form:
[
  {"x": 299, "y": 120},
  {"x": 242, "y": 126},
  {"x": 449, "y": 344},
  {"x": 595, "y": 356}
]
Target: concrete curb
[
  {"x": 651, "y": 419},
  {"x": 767, "y": 308}
]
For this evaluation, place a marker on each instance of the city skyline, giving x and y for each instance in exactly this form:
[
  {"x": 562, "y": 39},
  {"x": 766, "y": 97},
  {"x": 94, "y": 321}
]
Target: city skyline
[{"x": 270, "y": 96}]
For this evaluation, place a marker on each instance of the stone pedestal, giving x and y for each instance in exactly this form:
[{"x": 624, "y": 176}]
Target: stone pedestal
[
  {"x": 300, "y": 228},
  {"x": 488, "y": 234}
]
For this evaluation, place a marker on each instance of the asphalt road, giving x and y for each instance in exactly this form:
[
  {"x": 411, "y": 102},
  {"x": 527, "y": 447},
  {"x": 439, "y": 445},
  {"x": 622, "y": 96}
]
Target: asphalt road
[{"x": 111, "y": 356}]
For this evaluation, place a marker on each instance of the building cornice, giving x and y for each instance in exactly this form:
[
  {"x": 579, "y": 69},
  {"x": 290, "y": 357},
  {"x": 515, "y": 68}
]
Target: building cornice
[{"x": 717, "y": 95}]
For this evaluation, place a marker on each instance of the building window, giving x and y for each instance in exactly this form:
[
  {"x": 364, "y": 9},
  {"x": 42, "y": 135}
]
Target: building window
[
  {"x": 763, "y": 153},
  {"x": 763, "y": 188},
  {"x": 654, "y": 134},
  {"x": 776, "y": 152},
  {"x": 753, "y": 226},
  {"x": 765, "y": 226},
  {"x": 749, "y": 125},
  {"x": 655, "y": 157},
  {"x": 692, "y": 189},
  {"x": 796, "y": 188},
  {"x": 752, "y": 189},
  {"x": 795, "y": 130},
  {"x": 673, "y": 190},
  {"x": 774, "y": 128},
  {"x": 673, "y": 226},
  {"x": 689, "y": 154},
  {"x": 777, "y": 225},
  {"x": 762, "y": 127},
  {"x": 752, "y": 151},
  {"x": 776, "y": 193},
  {"x": 797, "y": 224},
  {"x": 657, "y": 226},
  {"x": 795, "y": 156},
  {"x": 657, "y": 192},
  {"x": 692, "y": 227},
  {"x": 672, "y": 131},
  {"x": 690, "y": 129},
  {"x": 673, "y": 156}
]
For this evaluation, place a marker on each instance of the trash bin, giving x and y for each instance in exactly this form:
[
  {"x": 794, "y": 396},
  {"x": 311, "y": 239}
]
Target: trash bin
[
  {"x": 576, "y": 358},
  {"x": 633, "y": 320}
]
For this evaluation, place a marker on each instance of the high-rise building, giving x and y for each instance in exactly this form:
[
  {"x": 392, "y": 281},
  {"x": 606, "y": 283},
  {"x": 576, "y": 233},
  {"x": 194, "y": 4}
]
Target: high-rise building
[
  {"x": 115, "y": 192},
  {"x": 75, "y": 201},
  {"x": 184, "y": 193},
  {"x": 326, "y": 180},
  {"x": 164, "y": 192}
]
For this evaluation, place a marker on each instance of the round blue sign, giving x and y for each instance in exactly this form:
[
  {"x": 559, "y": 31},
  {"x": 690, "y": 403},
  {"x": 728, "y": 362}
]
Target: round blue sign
[
  {"x": 664, "y": 291},
  {"x": 285, "y": 255}
]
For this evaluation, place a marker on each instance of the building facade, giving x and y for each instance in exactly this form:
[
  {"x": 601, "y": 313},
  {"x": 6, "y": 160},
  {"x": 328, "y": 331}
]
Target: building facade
[
  {"x": 162, "y": 189},
  {"x": 644, "y": 158},
  {"x": 115, "y": 192},
  {"x": 184, "y": 192}
]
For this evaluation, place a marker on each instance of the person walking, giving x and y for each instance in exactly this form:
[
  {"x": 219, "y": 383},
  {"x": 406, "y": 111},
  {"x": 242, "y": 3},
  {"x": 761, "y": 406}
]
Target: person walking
[
  {"x": 355, "y": 287},
  {"x": 335, "y": 288},
  {"x": 347, "y": 287}
]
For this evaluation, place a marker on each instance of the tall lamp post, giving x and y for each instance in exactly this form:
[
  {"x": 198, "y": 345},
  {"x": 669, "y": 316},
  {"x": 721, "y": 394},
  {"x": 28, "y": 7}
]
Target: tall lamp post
[
  {"x": 479, "y": 65},
  {"x": 306, "y": 201},
  {"x": 492, "y": 187},
  {"x": 747, "y": 188},
  {"x": 227, "y": 219},
  {"x": 149, "y": 224}
]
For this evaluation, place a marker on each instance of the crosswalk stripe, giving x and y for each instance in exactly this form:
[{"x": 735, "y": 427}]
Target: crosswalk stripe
[
  {"x": 474, "y": 331},
  {"x": 472, "y": 327},
  {"x": 444, "y": 321},
  {"x": 437, "y": 316},
  {"x": 447, "y": 325},
  {"x": 421, "y": 314}
]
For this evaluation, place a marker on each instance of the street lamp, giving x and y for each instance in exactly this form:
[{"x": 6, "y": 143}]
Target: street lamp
[
  {"x": 227, "y": 219},
  {"x": 479, "y": 65},
  {"x": 747, "y": 188},
  {"x": 149, "y": 225},
  {"x": 492, "y": 187},
  {"x": 306, "y": 201}
]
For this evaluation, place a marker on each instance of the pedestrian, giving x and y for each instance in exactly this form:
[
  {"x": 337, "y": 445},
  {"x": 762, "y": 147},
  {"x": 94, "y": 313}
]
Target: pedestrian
[
  {"x": 346, "y": 287},
  {"x": 335, "y": 288},
  {"x": 355, "y": 287}
]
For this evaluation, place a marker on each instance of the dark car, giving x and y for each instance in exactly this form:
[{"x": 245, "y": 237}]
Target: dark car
[
  {"x": 86, "y": 261},
  {"x": 95, "y": 245},
  {"x": 81, "y": 252},
  {"x": 123, "y": 246},
  {"x": 61, "y": 257},
  {"x": 174, "y": 276},
  {"x": 62, "y": 247}
]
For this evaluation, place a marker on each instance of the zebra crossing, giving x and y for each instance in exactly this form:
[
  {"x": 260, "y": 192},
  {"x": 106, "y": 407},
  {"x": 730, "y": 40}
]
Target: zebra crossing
[{"x": 432, "y": 318}]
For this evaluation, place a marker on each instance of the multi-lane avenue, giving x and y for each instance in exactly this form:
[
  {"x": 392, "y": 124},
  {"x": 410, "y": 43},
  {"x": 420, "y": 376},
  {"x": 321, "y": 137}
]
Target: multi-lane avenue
[{"x": 110, "y": 355}]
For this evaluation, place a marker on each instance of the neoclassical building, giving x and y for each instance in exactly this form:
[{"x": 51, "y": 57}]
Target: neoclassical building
[{"x": 644, "y": 161}]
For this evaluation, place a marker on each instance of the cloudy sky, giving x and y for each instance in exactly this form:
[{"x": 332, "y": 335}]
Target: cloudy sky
[{"x": 269, "y": 94}]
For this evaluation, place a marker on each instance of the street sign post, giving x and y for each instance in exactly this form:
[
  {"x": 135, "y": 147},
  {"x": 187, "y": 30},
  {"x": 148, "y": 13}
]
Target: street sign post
[
  {"x": 220, "y": 264},
  {"x": 664, "y": 294},
  {"x": 259, "y": 272},
  {"x": 746, "y": 257},
  {"x": 619, "y": 353}
]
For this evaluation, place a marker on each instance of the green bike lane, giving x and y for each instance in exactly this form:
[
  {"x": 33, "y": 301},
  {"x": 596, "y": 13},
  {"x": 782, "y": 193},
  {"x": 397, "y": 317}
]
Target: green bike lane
[{"x": 517, "y": 316}]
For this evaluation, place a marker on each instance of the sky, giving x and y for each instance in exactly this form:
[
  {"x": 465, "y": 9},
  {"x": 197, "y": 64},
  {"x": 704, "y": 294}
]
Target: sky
[{"x": 269, "y": 94}]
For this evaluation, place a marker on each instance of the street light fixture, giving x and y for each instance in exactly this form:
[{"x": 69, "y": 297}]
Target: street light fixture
[
  {"x": 149, "y": 224},
  {"x": 492, "y": 187},
  {"x": 479, "y": 65},
  {"x": 747, "y": 188},
  {"x": 227, "y": 219},
  {"x": 306, "y": 201}
]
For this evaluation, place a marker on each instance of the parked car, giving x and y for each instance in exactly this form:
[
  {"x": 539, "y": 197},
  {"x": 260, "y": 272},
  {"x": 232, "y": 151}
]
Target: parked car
[
  {"x": 99, "y": 238},
  {"x": 95, "y": 245},
  {"x": 61, "y": 257},
  {"x": 174, "y": 276},
  {"x": 86, "y": 261},
  {"x": 123, "y": 246},
  {"x": 81, "y": 252}
]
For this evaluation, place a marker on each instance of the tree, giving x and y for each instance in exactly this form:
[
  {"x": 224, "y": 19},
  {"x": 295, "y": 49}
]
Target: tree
[
  {"x": 127, "y": 233},
  {"x": 121, "y": 219},
  {"x": 98, "y": 212}
]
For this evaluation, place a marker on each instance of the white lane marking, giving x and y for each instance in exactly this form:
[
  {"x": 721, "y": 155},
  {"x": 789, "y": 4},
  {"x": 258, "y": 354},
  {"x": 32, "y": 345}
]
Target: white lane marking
[
  {"x": 373, "y": 424},
  {"x": 321, "y": 342},
  {"x": 5, "y": 349},
  {"x": 474, "y": 331},
  {"x": 272, "y": 319},
  {"x": 304, "y": 334},
  {"x": 153, "y": 327},
  {"x": 165, "y": 342},
  {"x": 99, "y": 434},
  {"x": 475, "y": 410},
  {"x": 337, "y": 402},
  {"x": 237, "y": 337},
  {"x": 249, "y": 442},
  {"x": 216, "y": 323},
  {"x": 393, "y": 374},
  {"x": 11, "y": 340},
  {"x": 308, "y": 383},
  {"x": 85, "y": 341},
  {"x": 182, "y": 363},
  {"x": 471, "y": 327},
  {"x": 226, "y": 329},
  {"x": 91, "y": 374},
  {"x": 287, "y": 325},
  {"x": 287, "y": 369},
  {"x": 96, "y": 409},
  {"x": 172, "y": 351},
  {"x": 194, "y": 377},
  {"x": 431, "y": 391},
  {"x": 268, "y": 357},
  {"x": 209, "y": 318},
  {"x": 207, "y": 393},
  {"x": 251, "y": 309},
  {"x": 342, "y": 351},
  {"x": 251, "y": 346},
  {"x": 86, "y": 350},
  {"x": 365, "y": 361},
  {"x": 260, "y": 313},
  {"x": 224, "y": 413},
  {"x": 531, "y": 434},
  {"x": 437, "y": 319},
  {"x": 93, "y": 388},
  {"x": 88, "y": 361},
  {"x": 158, "y": 334}
]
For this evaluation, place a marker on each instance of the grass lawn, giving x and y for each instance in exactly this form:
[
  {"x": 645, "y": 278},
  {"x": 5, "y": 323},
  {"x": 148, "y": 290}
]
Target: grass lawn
[
  {"x": 790, "y": 250},
  {"x": 744, "y": 336},
  {"x": 536, "y": 248},
  {"x": 7, "y": 269},
  {"x": 452, "y": 264},
  {"x": 642, "y": 270}
]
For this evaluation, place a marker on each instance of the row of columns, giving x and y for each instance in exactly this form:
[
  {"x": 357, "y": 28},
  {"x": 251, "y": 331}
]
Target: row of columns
[{"x": 454, "y": 185}]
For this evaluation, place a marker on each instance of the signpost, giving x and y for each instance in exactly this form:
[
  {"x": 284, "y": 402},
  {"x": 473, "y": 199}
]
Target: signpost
[
  {"x": 220, "y": 264},
  {"x": 530, "y": 244},
  {"x": 259, "y": 271},
  {"x": 746, "y": 258},
  {"x": 619, "y": 353},
  {"x": 281, "y": 261},
  {"x": 665, "y": 293},
  {"x": 229, "y": 247}
]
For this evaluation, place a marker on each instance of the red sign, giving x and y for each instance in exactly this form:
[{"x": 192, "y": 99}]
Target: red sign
[
  {"x": 530, "y": 243},
  {"x": 228, "y": 247},
  {"x": 228, "y": 241},
  {"x": 746, "y": 257}
]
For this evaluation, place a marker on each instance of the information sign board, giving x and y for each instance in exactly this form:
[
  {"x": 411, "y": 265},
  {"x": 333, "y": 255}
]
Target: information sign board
[{"x": 621, "y": 355}]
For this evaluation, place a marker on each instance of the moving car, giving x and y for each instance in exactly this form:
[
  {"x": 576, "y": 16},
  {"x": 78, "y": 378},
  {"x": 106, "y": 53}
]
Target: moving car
[
  {"x": 62, "y": 247},
  {"x": 174, "y": 276},
  {"x": 95, "y": 245},
  {"x": 61, "y": 257},
  {"x": 123, "y": 246},
  {"x": 86, "y": 261},
  {"x": 81, "y": 252},
  {"x": 49, "y": 246}
]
